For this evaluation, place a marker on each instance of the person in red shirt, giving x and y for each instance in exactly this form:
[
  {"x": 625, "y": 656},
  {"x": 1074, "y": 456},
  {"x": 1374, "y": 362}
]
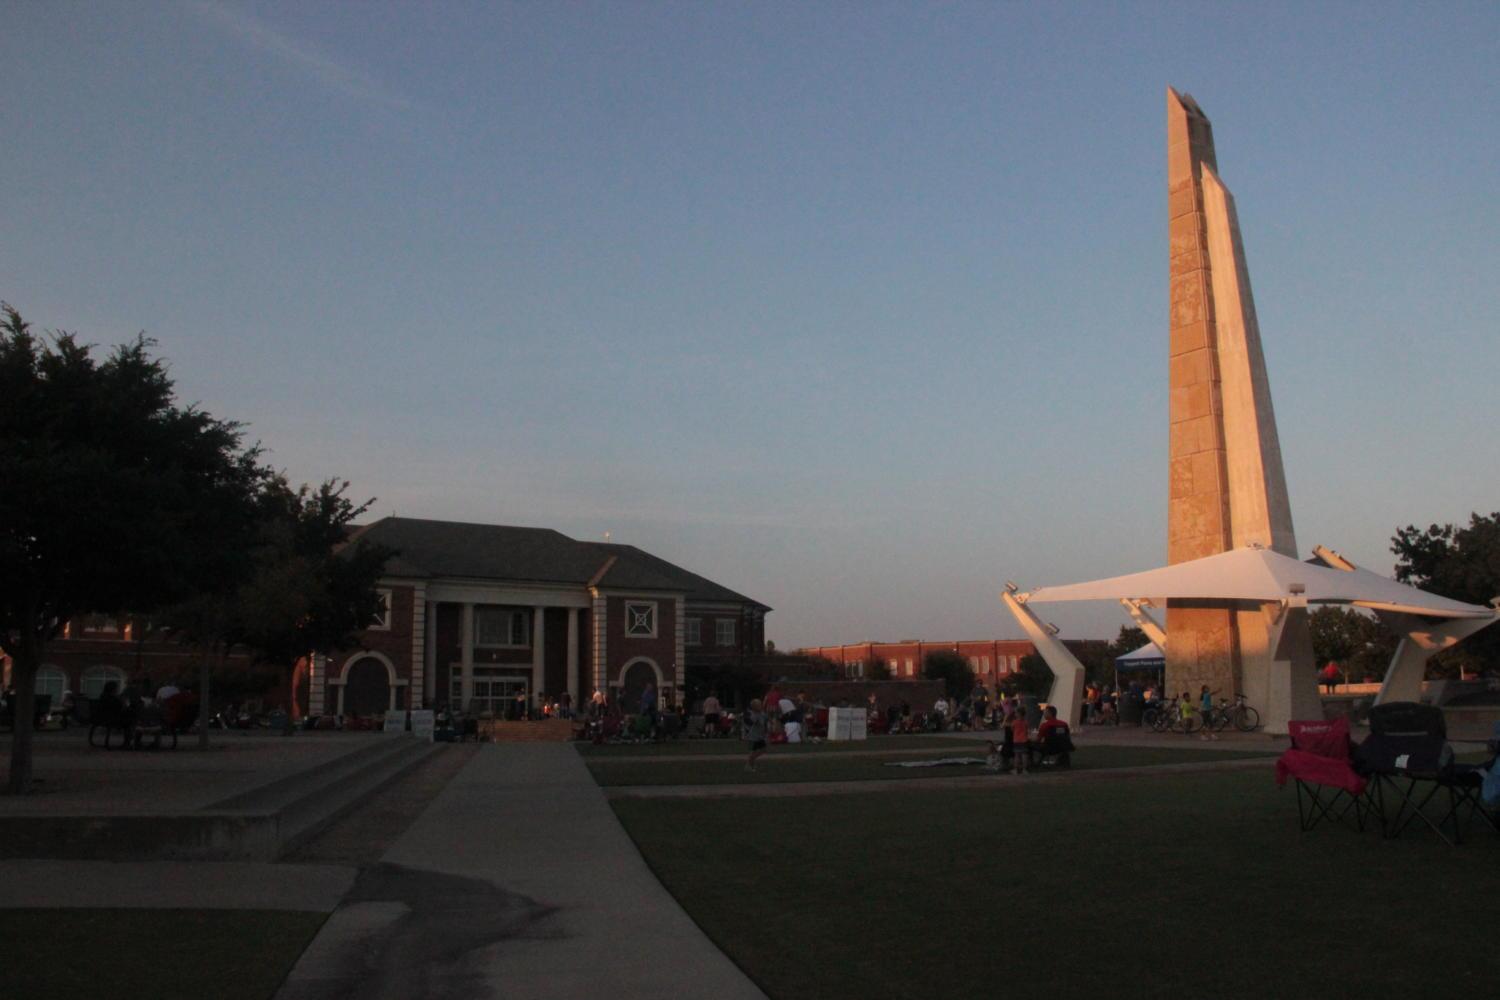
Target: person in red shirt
[{"x": 1049, "y": 723}]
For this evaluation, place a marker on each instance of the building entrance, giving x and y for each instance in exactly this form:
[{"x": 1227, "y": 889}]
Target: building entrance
[{"x": 503, "y": 694}]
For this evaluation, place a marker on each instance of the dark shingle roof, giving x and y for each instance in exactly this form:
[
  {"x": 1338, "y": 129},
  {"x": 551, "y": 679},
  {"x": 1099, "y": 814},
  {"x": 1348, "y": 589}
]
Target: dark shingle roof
[
  {"x": 536, "y": 555},
  {"x": 697, "y": 587}
]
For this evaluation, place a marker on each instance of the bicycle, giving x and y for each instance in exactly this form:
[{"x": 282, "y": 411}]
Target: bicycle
[
  {"x": 1244, "y": 718},
  {"x": 1169, "y": 718}
]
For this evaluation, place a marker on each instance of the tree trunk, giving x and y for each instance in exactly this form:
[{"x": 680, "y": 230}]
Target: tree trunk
[{"x": 23, "y": 678}]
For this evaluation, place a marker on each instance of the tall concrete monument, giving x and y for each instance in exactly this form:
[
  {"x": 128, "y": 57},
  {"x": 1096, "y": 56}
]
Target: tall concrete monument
[
  {"x": 1227, "y": 488},
  {"x": 1236, "y": 595}
]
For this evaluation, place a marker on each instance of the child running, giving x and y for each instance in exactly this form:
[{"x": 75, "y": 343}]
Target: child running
[{"x": 753, "y": 732}]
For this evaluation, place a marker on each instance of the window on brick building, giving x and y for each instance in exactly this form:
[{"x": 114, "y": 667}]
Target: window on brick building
[
  {"x": 694, "y": 631},
  {"x": 94, "y": 679},
  {"x": 640, "y": 619},
  {"x": 911, "y": 670},
  {"x": 382, "y": 621},
  {"x": 51, "y": 680},
  {"x": 724, "y": 632},
  {"x": 501, "y": 627}
]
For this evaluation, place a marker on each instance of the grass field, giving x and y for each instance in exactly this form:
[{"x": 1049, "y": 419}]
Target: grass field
[
  {"x": 1150, "y": 886},
  {"x": 778, "y": 767},
  {"x": 68, "y": 954}
]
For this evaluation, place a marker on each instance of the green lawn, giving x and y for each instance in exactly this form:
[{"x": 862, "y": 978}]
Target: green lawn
[
  {"x": 158, "y": 954},
  {"x": 1145, "y": 887},
  {"x": 731, "y": 747},
  {"x": 777, "y": 767}
]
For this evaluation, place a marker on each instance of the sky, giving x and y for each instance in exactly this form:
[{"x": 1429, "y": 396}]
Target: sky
[{"x": 857, "y": 308}]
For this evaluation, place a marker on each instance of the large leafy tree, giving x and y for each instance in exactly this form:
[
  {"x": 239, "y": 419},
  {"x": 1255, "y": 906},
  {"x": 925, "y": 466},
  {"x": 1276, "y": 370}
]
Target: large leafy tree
[
  {"x": 114, "y": 496},
  {"x": 1462, "y": 563},
  {"x": 307, "y": 588},
  {"x": 952, "y": 669},
  {"x": 1356, "y": 641},
  {"x": 313, "y": 591}
]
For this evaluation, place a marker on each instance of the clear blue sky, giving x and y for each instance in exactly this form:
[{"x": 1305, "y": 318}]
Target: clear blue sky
[{"x": 857, "y": 308}]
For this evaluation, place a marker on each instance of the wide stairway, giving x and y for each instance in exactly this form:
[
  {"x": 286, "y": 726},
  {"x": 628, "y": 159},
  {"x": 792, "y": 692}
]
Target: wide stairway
[{"x": 541, "y": 731}]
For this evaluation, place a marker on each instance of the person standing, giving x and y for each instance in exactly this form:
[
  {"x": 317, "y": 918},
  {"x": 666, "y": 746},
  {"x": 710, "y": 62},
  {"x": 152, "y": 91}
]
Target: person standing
[
  {"x": 1206, "y": 709},
  {"x": 1020, "y": 736},
  {"x": 648, "y": 703},
  {"x": 711, "y": 712},
  {"x": 753, "y": 732}
]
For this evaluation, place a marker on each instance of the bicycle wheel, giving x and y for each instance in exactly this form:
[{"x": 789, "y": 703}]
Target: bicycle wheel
[
  {"x": 1220, "y": 721},
  {"x": 1150, "y": 718},
  {"x": 1246, "y": 719}
]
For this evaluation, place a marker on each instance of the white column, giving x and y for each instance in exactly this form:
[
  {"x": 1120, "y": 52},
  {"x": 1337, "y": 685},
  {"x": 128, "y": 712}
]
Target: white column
[
  {"x": 538, "y": 651},
  {"x": 573, "y": 656},
  {"x": 317, "y": 680},
  {"x": 679, "y": 649},
  {"x": 429, "y": 680},
  {"x": 466, "y": 656},
  {"x": 421, "y": 665}
]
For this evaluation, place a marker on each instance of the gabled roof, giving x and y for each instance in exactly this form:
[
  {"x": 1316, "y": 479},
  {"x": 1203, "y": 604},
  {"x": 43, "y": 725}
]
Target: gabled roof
[
  {"x": 449, "y": 549},
  {"x": 698, "y": 588}
]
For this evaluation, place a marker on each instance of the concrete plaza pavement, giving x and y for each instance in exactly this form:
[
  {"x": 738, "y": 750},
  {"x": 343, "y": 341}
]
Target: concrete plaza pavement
[{"x": 517, "y": 881}]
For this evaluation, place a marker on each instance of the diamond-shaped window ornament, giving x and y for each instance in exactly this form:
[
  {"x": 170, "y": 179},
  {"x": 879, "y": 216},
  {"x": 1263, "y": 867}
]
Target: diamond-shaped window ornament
[{"x": 640, "y": 619}]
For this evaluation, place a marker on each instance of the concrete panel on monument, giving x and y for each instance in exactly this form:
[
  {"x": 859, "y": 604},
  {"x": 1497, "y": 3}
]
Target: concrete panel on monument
[{"x": 1226, "y": 486}]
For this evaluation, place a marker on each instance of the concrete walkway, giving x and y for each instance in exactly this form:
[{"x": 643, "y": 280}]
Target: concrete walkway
[{"x": 519, "y": 882}]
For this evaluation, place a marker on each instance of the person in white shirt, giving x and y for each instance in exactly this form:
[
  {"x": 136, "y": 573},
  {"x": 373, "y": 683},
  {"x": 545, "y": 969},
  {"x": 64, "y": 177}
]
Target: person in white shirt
[
  {"x": 791, "y": 720},
  {"x": 940, "y": 710}
]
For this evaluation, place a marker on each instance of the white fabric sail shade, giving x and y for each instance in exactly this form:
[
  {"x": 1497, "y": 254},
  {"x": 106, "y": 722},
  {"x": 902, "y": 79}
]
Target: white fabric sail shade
[{"x": 1256, "y": 574}]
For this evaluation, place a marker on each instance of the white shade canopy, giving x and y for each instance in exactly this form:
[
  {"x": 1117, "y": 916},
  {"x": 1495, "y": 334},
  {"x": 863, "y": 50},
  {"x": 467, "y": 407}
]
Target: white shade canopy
[
  {"x": 1149, "y": 653},
  {"x": 1257, "y": 574}
]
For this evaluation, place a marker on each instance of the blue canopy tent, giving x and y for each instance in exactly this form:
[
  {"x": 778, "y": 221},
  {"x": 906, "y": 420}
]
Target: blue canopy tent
[{"x": 1148, "y": 657}]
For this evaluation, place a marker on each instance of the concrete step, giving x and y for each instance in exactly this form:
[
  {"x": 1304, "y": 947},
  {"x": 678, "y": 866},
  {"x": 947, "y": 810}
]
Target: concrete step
[
  {"x": 259, "y": 825},
  {"x": 309, "y": 815}
]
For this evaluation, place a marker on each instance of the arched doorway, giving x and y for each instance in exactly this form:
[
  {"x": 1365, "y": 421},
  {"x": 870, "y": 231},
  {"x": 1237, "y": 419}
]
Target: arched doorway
[
  {"x": 638, "y": 673},
  {"x": 367, "y": 687}
]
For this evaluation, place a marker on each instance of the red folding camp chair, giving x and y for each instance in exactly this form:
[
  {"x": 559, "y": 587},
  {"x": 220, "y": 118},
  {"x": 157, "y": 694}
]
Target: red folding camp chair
[{"x": 1320, "y": 761}]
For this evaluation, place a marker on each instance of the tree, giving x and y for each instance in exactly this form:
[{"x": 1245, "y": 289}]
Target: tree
[
  {"x": 1034, "y": 676},
  {"x": 114, "y": 496},
  {"x": 1357, "y": 642},
  {"x": 950, "y": 668},
  {"x": 312, "y": 592},
  {"x": 1462, "y": 563},
  {"x": 307, "y": 591},
  {"x": 880, "y": 669}
]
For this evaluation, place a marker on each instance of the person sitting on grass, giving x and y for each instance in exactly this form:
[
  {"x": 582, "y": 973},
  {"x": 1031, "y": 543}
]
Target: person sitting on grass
[
  {"x": 753, "y": 732},
  {"x": 994, "y": 762},
  {"x": 1018, "y": 731}
]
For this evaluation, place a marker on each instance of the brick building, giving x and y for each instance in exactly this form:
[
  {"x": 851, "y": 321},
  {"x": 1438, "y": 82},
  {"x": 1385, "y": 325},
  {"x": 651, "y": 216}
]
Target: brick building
[
  {"x": 990, "y": 659},
  {"x": 474, "y": 615},
  {"x": 477, "y": 615},
  {"x": 100, "y": 648}
]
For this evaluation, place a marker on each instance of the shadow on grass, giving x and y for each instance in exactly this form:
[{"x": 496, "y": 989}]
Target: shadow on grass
[
  {"x": 1183, "y": 884},
  {"x": 123, "y": 954},
  {"x": 777, "y": 767}
]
